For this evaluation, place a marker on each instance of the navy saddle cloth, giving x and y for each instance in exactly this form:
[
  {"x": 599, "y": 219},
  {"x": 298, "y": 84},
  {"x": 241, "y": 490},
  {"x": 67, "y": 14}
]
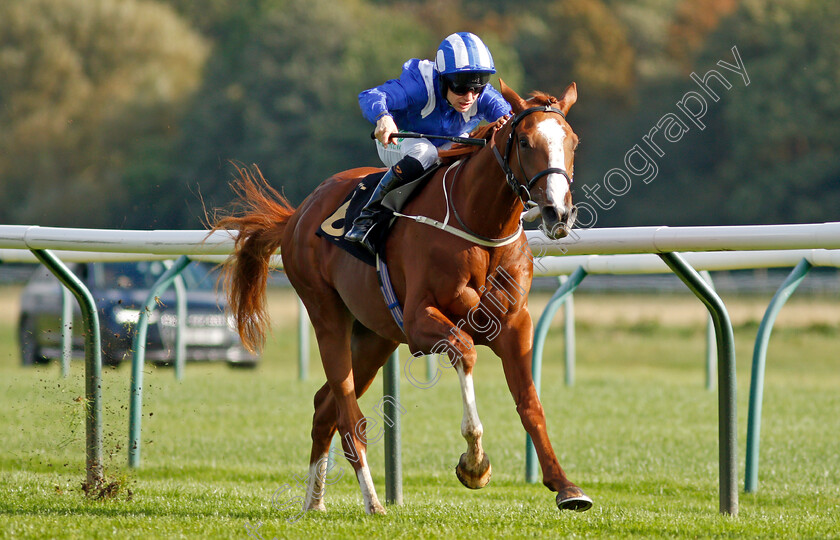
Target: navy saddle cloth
[{"x": 334, "y": 227}]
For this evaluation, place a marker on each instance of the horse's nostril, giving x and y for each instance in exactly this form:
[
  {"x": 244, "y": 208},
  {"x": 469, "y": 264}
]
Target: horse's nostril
[{"x": 549, "y": 214}]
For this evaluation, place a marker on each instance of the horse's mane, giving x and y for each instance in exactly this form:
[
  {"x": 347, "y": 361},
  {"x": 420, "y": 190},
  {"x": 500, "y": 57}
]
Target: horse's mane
[
  {"x": 541, "y": 98},
  {"x": 459, "y": 151}
]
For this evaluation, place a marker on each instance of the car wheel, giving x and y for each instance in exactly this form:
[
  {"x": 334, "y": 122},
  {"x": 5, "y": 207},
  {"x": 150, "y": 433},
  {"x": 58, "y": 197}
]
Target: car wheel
[
  {"x": 30, "y": 352},
  {"x": 243, "y": 365}
]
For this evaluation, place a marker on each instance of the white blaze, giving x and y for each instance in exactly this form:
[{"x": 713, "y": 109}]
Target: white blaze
[{"x": 556, "y": 184}]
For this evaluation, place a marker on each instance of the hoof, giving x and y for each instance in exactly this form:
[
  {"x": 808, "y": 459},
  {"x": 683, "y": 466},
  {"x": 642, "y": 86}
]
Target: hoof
[
  {"x": 572, "y": 498},
  {"x": 318, "y": 507},
  {"x": 473, "y": 479},
  {"x": 376, "y": 509}
]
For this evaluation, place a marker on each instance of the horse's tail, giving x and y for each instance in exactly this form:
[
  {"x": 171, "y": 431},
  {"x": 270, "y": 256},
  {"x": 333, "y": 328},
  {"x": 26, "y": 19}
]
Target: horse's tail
[{"x": 261, "y": 215}]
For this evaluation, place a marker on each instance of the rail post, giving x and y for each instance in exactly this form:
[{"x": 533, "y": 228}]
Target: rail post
[
  {"x": 762, "y": 340},
  {"x": 135, "y": 412},
  {"x": 540, "y": 331},
  {"x": 180, "y": 338},
  {"x": 711, "y": 356},
  {"x": 727, "y": 414},
  {"x": 66, "y": 331},
  {"x": 393, "y": 435},
  {"x": 93, "y": 364}
]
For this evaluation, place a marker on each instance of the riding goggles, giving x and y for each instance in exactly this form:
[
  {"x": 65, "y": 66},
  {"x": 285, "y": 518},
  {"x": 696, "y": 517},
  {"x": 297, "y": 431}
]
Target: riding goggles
[{"x": 461, "y": 83}]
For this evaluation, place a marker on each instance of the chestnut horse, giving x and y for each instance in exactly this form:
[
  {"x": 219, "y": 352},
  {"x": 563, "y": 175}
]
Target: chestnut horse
[{"x": 438, "y": 278}]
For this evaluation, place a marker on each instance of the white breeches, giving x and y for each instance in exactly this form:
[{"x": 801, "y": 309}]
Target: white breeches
[{"x": 420, "y": 149}]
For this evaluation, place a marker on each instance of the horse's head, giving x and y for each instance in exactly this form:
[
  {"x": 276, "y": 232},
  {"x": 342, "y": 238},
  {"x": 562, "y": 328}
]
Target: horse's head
[{"x": 539, "y": 154}]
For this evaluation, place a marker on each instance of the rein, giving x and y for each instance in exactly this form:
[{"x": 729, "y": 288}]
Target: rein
[
  {"x": 461, "y": 221},
  {"x": 523, "y": 190}
]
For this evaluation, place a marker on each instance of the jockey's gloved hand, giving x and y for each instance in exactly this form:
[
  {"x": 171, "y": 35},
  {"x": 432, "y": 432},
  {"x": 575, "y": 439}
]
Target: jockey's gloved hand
[
  {"x": 497, "y": 125},
  {"x": 385, "y": 126}
]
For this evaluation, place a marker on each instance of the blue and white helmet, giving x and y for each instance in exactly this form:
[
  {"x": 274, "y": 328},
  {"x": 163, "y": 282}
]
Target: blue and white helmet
[{"x": 464, "y": 52}]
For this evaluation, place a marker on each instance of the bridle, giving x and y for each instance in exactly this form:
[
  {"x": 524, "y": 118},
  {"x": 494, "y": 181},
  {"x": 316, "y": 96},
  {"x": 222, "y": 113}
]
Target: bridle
[{"x": 523, "y": 189}]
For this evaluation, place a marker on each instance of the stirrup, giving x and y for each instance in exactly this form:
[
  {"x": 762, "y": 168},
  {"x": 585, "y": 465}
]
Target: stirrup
[
  {"x": 363, "y": 241},
  {"x": 358, "y": 233}
]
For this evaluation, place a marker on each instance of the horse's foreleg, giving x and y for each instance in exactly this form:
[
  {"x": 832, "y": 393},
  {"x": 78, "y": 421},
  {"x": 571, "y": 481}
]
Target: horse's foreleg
[
  {"x": 514, "y": 347},
  {"x": 430, "y": 330},
  {"x": 473, "y": 468}
]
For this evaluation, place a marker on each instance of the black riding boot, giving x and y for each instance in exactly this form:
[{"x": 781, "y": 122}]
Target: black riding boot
[{"x": 405, "y": 171}]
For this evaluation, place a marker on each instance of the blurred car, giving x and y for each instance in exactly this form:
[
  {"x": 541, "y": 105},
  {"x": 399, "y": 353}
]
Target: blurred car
[{"x": 120, "y": 291}]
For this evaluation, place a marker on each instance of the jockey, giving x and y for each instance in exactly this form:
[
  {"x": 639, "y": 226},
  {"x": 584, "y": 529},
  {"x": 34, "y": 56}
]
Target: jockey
[{"x": 449, "y": 96}]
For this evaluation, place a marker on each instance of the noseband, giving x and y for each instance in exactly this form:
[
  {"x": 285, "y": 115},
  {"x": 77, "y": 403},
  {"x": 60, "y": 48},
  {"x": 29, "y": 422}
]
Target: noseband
[{"x": 523, "y": 190}]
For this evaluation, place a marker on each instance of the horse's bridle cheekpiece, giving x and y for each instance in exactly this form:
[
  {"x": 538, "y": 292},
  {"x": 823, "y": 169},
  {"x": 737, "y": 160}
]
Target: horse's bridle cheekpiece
[{"x": 523, "y": 190}]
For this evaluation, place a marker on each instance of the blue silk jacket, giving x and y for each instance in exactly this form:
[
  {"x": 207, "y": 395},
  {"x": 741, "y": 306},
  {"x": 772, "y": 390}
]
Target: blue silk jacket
[{"x": 416, "y": 104}]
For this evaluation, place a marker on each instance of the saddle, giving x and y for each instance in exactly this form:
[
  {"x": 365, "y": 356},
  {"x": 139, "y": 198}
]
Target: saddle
[{"x": 339, "y": 222}]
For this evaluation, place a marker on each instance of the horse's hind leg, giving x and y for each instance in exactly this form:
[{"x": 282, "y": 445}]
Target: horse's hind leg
[
  {"x": 323, "y": 427},
  {"x": 333, "y": 335},
  {"x": 369, "y": 353}
]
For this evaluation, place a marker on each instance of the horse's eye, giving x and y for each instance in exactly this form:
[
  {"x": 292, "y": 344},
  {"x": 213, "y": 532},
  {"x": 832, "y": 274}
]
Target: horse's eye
[{"x": 523, "y": 142}]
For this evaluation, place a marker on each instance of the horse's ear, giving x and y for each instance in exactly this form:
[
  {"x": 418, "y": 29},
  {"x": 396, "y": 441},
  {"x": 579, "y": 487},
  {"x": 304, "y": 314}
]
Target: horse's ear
[
  {"x": 516, "y": 103},
  {"x": 568, "y": 98}
]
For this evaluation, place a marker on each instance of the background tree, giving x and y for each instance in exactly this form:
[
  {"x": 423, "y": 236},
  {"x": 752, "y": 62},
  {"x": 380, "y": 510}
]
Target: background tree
[
  {"x": 287, "y": 97},
  {"x": 576, "y": 40},
  {"x": 781, "y": 161},
  {"x": 693, "y": 21},
  {"x": 82, "y": 82},
  {"x": 125, "y": 113}
]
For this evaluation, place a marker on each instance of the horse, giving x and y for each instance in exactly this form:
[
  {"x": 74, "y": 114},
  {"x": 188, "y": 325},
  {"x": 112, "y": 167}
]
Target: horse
[{"x": 439, "y": 279}]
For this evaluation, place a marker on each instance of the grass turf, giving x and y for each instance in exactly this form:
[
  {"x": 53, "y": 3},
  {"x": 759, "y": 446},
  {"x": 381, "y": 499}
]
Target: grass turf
[{"x": 638, "y": 432}]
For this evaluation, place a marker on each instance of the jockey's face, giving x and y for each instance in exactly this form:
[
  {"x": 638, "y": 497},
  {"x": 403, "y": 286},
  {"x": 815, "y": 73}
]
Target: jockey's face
[{"x": 461, "y": 102}]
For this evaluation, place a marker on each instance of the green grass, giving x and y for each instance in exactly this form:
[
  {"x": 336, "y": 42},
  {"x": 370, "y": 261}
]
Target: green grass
[{"x": 638, "y": 432}]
